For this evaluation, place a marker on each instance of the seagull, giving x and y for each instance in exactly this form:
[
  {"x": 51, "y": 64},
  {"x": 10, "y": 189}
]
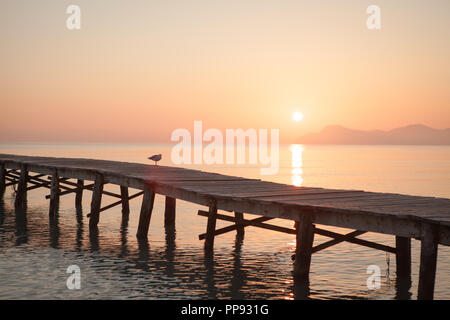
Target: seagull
[{"x": 155, "y": 158}]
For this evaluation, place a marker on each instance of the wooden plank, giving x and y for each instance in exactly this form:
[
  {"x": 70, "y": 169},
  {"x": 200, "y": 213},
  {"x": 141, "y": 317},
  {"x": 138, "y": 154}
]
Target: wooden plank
[
  {"x": 345, "y": 198},
  {"x": 428, "y": 260},
  {"x": 36, "y": 186},
  {"x": 146, "y": 212},
  {"x": 118, "y": 202},
  {"x": 354, "y": 240},
  {"x": 413, "y": 207},
  {"x": 320, "y": 195},
  {"x": 256, "y": 222},
  {"x": 242, "y": 182},
  {"x": 318, "y": 192},
  {"x": 74, "y": 190},
  {"x": 38, "y": 181},
  {"x": 150, "y": 179},
  {"x": 232, "y": 190},
  {"x": 34, "y": 180},
  {"x": 15, "y": 174},
  {"x": 89, "y": 187},
  {"x": 35, "y": 177},
  {"x": 236, "y": 186},
  {"x": 335, "y": 241},
  {"x": 390, "y": 200},
  {"x": 420, "y": 212},
  {"x": 45, "y": 184},
  {"x": 251, "y": 184}
]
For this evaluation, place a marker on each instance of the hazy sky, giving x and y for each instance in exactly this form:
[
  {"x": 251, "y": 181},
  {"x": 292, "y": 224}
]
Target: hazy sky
[{"x": 137, "y": 70}]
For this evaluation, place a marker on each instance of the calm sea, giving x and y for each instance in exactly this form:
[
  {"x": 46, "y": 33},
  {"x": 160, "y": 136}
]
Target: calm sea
[{"x": 35, "y": 252}]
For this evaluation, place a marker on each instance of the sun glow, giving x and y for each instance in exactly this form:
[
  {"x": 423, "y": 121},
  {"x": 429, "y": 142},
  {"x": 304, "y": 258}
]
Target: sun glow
[{"x": 297, "y": 116}]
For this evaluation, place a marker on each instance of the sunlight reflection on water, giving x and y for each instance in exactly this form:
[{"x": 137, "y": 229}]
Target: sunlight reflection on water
[{"x": 297, "y": 164}]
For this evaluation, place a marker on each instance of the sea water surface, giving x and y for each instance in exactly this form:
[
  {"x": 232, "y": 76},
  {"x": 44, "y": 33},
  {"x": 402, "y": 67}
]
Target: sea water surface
[{"x": 35, "y": 252}]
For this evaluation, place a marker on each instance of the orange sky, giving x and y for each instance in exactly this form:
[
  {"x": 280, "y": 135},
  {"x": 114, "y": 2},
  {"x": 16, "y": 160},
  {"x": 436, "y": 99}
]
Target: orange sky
[{"x": 137, "y": 70}]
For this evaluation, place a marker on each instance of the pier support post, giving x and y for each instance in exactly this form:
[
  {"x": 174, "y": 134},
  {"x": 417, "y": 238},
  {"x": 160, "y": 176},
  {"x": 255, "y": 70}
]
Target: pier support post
[
  {"x": 403, "y": 257},
  {"x": 403, "y": 267},
  {"x": 79, "y": 193},
  {"x": 169, "y": 212},
  {"x": 211, "y": 226},
  {"x": 125, "y": 202},
  {"x": 96, "y": 201},
  {"x": 303, "y": 250},
  {"x": 54, "y": 193},
  {"x": 22, "y": 187},
  {"x": 2, "y": 178},
  {"x": 146, "y": 212},
  {"x": 239, "y": 216},
  {"x": 428, "y": 259}
]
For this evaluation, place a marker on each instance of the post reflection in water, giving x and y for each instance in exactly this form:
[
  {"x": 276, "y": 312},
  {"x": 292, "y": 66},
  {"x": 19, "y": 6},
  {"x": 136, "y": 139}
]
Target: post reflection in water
[
  {"x": 239, "y": 275},
  {"x": 79, "y": 235},
  {"x": 123, "y": 238},
  {"x": 209, "y": 276},
  {"x": 93, "y": 239},
  {"x": 297, "y": 164},
  {"x": 21, "y": 225},
  {"x": 170, "y": 250},
  {"x": 124, "y": 252},
  {"x": 301, "y": 288},
  {"x": 54, "y": 229}
]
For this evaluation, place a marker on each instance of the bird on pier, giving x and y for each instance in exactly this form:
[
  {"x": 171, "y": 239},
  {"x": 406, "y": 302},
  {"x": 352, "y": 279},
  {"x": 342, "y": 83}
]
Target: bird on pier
[{"x": 155, "y": 158}]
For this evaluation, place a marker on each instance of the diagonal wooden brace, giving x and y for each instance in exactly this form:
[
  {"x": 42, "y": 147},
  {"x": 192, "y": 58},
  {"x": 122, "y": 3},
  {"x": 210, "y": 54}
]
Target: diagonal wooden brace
[
  {"x": 354, "y": 240},
  {"x": 257, "y": 222},
  {"x": 118, "y": 202},
  {"x": 335, "y": 241},
  {"x": 70, "y": 190}
]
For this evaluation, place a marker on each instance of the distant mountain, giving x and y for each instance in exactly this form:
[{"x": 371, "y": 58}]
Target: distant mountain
[{"x": 410, "y": 135}]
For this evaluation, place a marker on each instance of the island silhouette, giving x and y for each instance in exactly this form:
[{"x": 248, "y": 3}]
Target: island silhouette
[{"x": 416, "y": 134}]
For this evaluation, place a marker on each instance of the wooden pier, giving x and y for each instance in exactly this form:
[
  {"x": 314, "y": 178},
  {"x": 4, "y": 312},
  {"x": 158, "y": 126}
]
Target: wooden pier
[{"x": 403, "y": 216}]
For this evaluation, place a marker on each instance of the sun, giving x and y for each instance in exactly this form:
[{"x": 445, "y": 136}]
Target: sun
[{"x": 297, "y": 116}]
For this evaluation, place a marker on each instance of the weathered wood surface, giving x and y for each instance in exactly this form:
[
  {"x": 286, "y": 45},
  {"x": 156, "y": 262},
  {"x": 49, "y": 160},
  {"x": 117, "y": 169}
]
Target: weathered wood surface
[
  {"x": 428, "y": 261},
  {"x": 395, "y": 214},
  {"x": 125, "y": 201},
  {"x": 22, "y": 186},
  {"x": 304, "y": 248},
  {"x": 146, "y": 212},
  {"x": 96, "y": 201},
  {"x": 211, "y": 226}
]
